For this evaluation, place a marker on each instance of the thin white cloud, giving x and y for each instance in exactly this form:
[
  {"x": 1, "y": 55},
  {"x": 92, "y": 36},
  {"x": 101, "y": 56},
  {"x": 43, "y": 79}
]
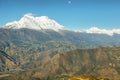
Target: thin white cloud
[{"x": 30, "y": 14}]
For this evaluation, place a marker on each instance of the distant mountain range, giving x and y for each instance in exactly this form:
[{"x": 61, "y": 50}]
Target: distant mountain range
[
  {"x": 31, "y": 29},
  {"x": 44, "y": 23},
  {"x": 41, "y": 45}
]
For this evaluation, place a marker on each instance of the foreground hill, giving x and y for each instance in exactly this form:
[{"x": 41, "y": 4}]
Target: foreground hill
[{"x": 100, "y": 62}]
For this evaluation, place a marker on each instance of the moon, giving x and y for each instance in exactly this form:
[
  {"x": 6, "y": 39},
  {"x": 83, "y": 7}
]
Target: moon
[{"x": 69, "y": 2}]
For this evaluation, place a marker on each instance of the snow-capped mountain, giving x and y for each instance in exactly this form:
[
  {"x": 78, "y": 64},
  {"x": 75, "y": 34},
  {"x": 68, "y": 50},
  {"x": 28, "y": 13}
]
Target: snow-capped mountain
[
  {"x": 95, "y": 30},
  {"x": 37, "y": 23},
  {"x": 103, "y": 31}
]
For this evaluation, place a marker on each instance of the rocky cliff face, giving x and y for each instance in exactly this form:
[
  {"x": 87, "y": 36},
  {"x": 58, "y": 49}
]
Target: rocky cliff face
[{"x": 7, "y": 62}]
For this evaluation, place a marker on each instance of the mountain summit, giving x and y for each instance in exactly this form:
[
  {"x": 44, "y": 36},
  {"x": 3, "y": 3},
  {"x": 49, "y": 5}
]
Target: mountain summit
[
  {"x": 44, "y": 23},
  {"x": 37, "y": 23}
]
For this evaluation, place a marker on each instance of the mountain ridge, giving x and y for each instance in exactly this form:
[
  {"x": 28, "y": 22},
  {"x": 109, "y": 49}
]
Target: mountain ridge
[
  {"x": 44, "y": 22},
  {"x": 101, "y": 62}
]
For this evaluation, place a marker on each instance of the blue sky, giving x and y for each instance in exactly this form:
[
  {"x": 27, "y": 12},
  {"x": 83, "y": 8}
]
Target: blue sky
[{"x": 73, "y": 14}]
